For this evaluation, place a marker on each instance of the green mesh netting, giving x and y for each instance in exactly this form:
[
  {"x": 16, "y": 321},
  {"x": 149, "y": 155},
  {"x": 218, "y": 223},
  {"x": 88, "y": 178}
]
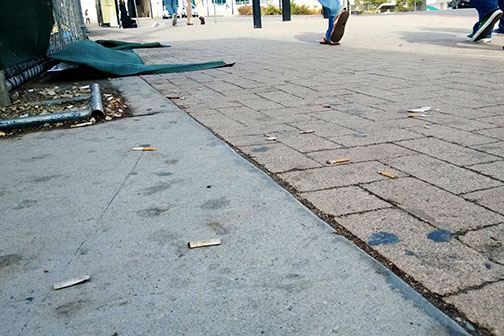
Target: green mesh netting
[{"x": 25, "y": 28}]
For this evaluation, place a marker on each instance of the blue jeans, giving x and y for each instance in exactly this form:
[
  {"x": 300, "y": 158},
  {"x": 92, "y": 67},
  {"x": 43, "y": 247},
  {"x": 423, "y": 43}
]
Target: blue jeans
[
  {"x": 332, "y": 16},
  {"x": 501, "y": 22},
  {"x": 484, "y": 7},
  {"x": 171, "y": 6}
]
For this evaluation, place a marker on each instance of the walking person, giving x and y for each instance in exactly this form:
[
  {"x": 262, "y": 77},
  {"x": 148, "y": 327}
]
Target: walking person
[
  {"x": 337, "y": 20},
  {"x": 86, "y": 15},
  {"x": 489, "y": 14},
  {"x": 171, "y": 7}
]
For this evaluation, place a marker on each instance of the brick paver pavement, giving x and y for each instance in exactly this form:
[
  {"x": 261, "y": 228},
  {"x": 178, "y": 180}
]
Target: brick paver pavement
[{"x": 441, "y": 221}]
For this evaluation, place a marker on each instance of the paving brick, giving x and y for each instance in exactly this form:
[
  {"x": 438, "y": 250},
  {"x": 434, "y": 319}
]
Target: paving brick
[
  {"x": 491, "y": 198},
  {"x": 279, "y": 158},
  {"x": 443, "y": 150},
  {"x": 454, "y": 135},
  {"x": 260, "y": 104},
  {"x": 438, "y": 207},
  {"x": 283, "y": 98},
  {"x": 362, "y": 153},
  {"x": 442, "y": 267},
  {"x": 377, "y": 137},
  {"x": 346, "y": 200},
  {"x": 483, "y": 305},
  {"x": 489, "y": 241},
  {"x": 245, "y": 115},
  {"x": 337, "y": 176},
  {"x": 495, "y": 148},
  {"x": 495, "y": 120},
  {"x": 493, "y": 169},
  {"x": 322, "y": 128},
  {"x": 306, "y": 142},
  {"x": 497, "y": 133},
  {"x": 444, "y": 175}
]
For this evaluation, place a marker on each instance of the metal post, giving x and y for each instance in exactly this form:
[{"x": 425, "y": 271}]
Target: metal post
[
  {"x": 214, "y": 11},
  {"x": 256, "y": 13},
  {"x": 4, "y": 94},
  {"x": 286, "y": 10},
  {"x": 136, "y": 14}
]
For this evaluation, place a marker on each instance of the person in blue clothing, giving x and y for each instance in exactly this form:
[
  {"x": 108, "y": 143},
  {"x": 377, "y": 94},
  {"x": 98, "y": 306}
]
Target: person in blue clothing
[
  {"x": 500, "y": 27},
  {"x": 337, "y": 20},
  {"x": 171, "y": 6},
  {"x": 489, "y": 14}
]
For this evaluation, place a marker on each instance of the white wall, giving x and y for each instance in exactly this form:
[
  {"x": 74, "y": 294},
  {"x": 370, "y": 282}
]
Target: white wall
[{"x": 90, "y": 5}]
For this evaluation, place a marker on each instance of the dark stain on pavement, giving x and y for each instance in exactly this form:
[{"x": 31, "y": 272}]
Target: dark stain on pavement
[
  {"x": 171, "y": 161},
  {"x": 45, "y": 178},
  {"x": 163, "y": 237},
  {"x": 152, "y": 212},
  {"x": 382, "y": 238},
  {"x": 261, "y": 149},
  {"x": 360, "y": 135},
  {"x": 409, "y": 253},
  {"x": 160, "y": 187},
  {"x": 24, "y": 204},
  {"x": 38, "y": 157},
  {"x": 164, "y": 173},
  {"x": 9, "y": 259},
  {"x": 68, "y": 309},
  {"x": 216, "y": 203},
  {"x": 440, "y": 236},
  {"x": 218, "y": 228}
]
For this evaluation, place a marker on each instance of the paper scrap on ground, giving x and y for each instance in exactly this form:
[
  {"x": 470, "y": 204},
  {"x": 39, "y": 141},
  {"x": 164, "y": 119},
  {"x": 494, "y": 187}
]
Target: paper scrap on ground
[
  {"x": 71, "y": 282},
  {"x": 421, "y": 109},
  {"x": 203, "y": 243}
]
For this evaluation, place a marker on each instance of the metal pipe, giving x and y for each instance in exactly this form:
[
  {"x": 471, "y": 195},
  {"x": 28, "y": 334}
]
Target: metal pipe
[
  {"x": 4, "y": 91},
  {"x": 95, "y": 110}
]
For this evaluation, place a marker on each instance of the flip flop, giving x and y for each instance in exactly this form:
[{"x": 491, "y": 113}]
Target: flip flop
[
  {"x": 339, "y": 26},
  {"x": 326, "y": 41}
]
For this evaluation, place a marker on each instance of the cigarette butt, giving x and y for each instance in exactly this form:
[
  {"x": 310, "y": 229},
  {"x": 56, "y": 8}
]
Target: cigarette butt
[
  {"x": 388, "y": 175},
  {"x": 413, "y": 115},
  {"x": 307, "y": 131},
  {"x": 271, "y": 138},
  {"x": 203, "y": 243},
  {"x": 337, "y": 161},
  {"x": 144, "y": 149}
]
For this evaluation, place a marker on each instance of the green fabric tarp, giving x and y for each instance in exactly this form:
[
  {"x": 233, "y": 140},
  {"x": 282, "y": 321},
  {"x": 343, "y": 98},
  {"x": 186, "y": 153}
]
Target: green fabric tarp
[
  {"x": 122, "y": 62},
  {"x": 122, "y": 45},
  {"x": 25, "y": 28}
]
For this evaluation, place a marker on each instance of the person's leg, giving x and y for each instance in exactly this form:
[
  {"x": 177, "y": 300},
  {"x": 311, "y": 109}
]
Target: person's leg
[
  {"x": 500, "y": 29},
  {"x": 331, "y": 18},
  {"x": 171, "y": 6},
  {"x": 489, "y": 14},
  {"x": 189, "y": 12}
]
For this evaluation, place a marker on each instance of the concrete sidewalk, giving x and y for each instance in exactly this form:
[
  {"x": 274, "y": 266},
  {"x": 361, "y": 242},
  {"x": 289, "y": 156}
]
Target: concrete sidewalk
[
  {"x": 79, "y": 201},
  {"x": 443, "y": 214}
]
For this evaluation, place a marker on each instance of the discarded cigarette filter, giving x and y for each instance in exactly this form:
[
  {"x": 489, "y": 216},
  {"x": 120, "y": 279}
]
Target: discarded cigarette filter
[
  {"x": 271, "y": 138},
  {"x": 203, "y": 243},
  {"x": 307, "y": 131},
  {"x": 143, "y": 149},
  {"x": 337, "y": 161},
  {"x": 388, "y": 175},
  {"x": 71, "y": 282}
]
